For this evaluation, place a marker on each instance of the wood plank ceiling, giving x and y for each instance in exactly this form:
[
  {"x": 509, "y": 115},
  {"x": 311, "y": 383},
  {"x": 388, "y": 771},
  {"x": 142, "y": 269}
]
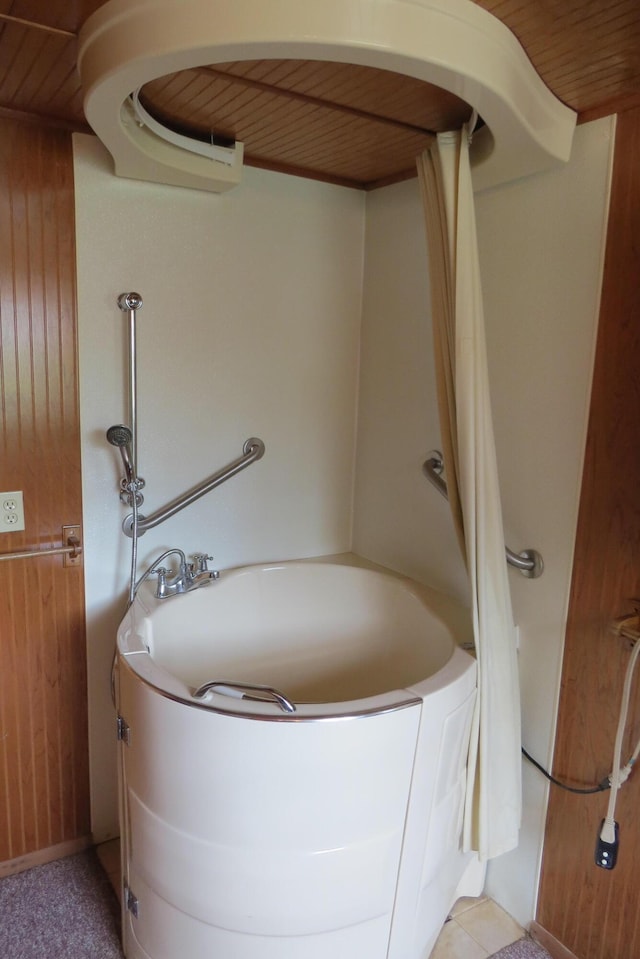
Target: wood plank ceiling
[{"x": 342, "y": 123}]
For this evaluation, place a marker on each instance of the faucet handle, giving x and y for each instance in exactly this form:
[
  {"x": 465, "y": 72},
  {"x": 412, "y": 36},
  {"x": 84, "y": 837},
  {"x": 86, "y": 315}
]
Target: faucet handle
[{"x": 200, "y": 562}]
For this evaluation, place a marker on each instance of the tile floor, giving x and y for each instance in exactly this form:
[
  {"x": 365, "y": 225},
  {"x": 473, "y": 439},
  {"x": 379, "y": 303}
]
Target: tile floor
[{"x": 477, "y": 929}]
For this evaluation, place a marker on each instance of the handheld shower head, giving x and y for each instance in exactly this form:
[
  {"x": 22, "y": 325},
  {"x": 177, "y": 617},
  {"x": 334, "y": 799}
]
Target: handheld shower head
[{"x": 121, "y": 437}]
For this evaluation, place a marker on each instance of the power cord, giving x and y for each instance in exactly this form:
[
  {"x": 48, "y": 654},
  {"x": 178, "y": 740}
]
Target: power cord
[
  {"x": 608, "y": 839},
  {"x": 601, "y": 787}
]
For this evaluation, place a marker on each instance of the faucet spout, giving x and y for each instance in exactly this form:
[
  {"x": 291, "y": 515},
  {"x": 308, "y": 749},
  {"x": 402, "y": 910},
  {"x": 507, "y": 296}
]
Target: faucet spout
[
  {"x": 200, "y": 573},
  {"x": 204, "y": 578}
]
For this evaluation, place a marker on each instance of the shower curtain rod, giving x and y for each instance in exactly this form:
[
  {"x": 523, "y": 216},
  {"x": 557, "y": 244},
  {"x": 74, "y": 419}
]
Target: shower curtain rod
[{"x": 529, "y": 562}]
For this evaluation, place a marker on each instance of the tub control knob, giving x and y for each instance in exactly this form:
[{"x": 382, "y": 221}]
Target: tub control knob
[{"x": 200, "y": 561}]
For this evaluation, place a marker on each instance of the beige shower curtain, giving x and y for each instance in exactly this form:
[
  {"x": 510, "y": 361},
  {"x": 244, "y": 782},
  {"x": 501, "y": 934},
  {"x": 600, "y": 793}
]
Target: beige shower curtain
[{"x": 493, "y": 799}]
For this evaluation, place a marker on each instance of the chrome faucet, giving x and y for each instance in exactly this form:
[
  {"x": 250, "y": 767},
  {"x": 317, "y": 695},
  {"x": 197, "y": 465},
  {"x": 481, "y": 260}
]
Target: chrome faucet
[
  {"x": 189, "y": 576},
  {"x": 199, "y": 571}
]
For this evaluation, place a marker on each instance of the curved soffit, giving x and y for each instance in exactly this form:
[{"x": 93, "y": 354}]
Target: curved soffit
[{"x": 452, "y": 44}]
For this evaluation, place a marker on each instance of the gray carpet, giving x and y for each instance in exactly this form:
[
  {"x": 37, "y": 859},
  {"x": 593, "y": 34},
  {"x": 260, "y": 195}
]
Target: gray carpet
[
  {"x": 523, "y": 949},
  {"x": 68, "y": 910},
  {"x": 64, "y": 910}
]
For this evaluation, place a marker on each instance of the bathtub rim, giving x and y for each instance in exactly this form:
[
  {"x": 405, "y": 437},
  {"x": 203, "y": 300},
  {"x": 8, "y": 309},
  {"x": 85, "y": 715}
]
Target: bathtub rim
[
  {"x": 265, "y": 712},
  {"x": 137, "y": 657}
]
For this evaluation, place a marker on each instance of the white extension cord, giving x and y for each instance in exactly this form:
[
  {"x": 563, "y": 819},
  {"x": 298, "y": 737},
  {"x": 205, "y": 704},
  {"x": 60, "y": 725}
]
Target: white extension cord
[{"x": 608, "y": 839}]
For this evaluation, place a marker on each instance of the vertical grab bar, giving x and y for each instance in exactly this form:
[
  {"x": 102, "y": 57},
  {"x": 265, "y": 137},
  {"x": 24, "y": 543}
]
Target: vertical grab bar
[
  {"x": 529, "y": 562},
  {"x": 130, "y": 303}
]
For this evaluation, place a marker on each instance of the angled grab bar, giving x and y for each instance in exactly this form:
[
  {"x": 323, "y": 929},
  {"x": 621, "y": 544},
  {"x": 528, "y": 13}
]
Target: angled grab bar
[
  {"x": 252, "y": 450},
  {"x": 529, "y": 562}
]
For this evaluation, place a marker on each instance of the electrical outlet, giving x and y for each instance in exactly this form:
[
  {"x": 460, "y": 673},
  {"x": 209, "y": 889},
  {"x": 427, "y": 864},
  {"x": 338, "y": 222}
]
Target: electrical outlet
[{"x": 11, "y": 512}]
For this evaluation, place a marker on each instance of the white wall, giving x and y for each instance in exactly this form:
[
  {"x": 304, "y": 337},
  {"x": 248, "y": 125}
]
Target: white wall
[
  {"x": 542, "y": 249},
  {"x": 400, "y": 520},
  {"x": 541, "y": 243},
  {"x": 250, "y": 327}
]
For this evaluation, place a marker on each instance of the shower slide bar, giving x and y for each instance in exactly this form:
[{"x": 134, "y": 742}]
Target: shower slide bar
[
  {"x": 529, "y": 562},
  {"x": 252, "y": 450}
]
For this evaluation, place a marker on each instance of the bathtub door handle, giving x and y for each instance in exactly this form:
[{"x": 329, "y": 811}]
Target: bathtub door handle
[{"x": 253, "y": 691}]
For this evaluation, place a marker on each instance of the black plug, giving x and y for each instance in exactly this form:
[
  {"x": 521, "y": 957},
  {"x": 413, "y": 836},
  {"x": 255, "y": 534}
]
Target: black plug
[{"x": 607, "y": 852}]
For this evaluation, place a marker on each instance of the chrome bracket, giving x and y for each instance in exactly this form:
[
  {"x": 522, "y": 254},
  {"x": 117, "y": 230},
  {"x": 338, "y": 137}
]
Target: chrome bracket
[
  {"x": 131, "y": 901},
  {"x": 72, "y": 537},
  {"x": 629, "y": 626},
  {"x": 532, "y": 565},
  {"x": 123, "y": 731}
]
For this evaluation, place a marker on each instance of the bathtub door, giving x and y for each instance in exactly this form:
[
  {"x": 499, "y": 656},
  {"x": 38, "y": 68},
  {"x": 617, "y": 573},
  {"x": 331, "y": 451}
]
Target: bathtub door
[{"x": 255, "y": 839}]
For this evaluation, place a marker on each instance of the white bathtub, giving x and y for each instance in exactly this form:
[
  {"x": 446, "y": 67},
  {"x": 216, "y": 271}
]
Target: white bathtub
[{"x": 324, "y": 829}]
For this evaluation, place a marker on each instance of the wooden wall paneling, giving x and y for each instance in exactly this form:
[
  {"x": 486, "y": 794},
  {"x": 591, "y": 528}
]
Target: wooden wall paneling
[
  {"x": 404, "y": 101},
  {"x": 44, "y": 798},
  {"x": 38, "y": 72},
  {"x": 586, "y": 51},
  {"x": 592, "y": 911}
]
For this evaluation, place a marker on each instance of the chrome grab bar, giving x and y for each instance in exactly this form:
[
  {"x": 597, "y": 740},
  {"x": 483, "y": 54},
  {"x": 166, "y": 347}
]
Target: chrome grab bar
[
  {"x": 252, "y": 450},
  {"x": 247, "y": 691},
  {"x": 130, "y": 303},
  {"x": 529, "y": 562},
  {"x": 71, "y": 551}
]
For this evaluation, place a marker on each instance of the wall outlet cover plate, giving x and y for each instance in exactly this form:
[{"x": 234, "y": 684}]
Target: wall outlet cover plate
[{"x": 11, "y": 511}]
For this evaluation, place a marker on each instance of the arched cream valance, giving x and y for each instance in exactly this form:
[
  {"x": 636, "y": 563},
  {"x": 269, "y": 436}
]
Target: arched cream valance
[{"x": 453, "y": 44}]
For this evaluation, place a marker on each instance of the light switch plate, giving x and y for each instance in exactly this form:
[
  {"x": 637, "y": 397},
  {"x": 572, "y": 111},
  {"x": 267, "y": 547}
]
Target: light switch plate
[{"x": 11, "y": 511}]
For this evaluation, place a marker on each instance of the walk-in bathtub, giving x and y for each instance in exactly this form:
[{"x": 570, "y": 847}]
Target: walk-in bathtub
[{"x": 317, "y": 817}]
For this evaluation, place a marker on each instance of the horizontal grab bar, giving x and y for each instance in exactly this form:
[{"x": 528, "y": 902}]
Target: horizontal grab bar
[
  {"x": 72, "y": 550},
  {"x": 252, "y": 450},
  {"x": 247, "y": 691},
  {"x": 529, "y": 562}
]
